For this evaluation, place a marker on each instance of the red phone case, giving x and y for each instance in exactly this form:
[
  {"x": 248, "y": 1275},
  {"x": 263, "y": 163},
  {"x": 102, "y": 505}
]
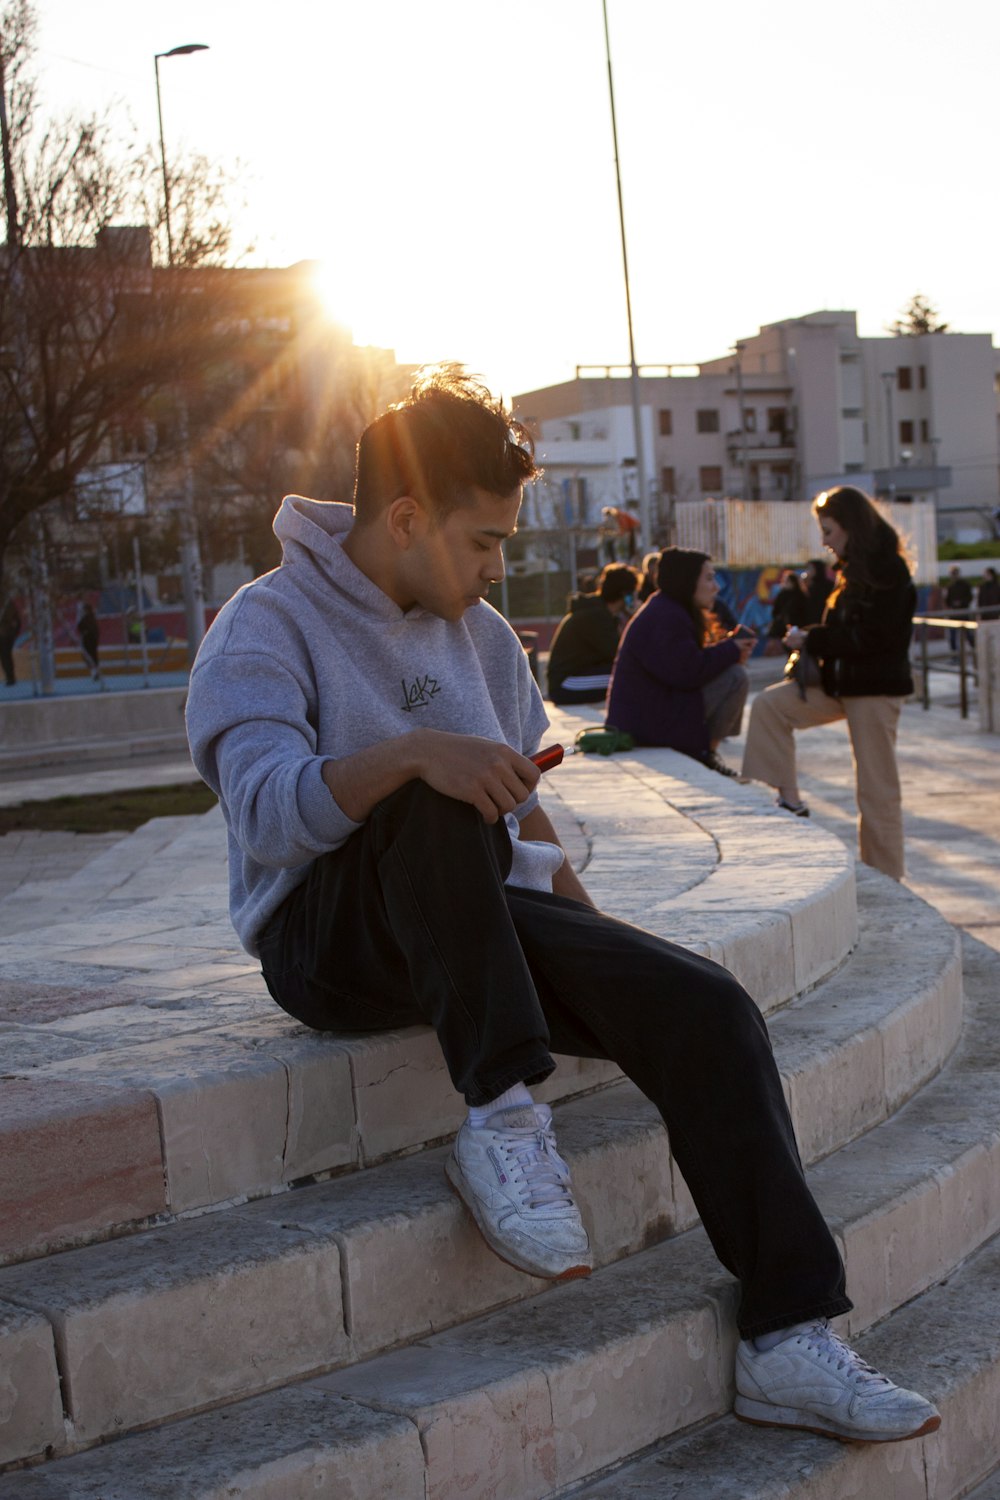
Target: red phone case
[{"x": 546, "y": 759}]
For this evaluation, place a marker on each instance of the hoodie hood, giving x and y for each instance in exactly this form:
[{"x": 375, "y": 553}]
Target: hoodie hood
[{"x": 311, "y": 533}]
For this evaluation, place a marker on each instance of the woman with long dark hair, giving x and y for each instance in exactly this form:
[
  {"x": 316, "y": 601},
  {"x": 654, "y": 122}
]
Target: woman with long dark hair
[
  {"x": 669, "y": 686},
  {"x": 861, "y": 650}
]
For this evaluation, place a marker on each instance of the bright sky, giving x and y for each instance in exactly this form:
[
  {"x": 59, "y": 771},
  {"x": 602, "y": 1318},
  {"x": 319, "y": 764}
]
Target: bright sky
[{"x": 452, "y": 160}]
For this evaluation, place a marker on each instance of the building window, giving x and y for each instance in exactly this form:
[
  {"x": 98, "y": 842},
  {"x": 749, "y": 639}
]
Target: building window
[
  {"x": 574, "y": 432},
  {"x": 904, "y": 378},
  {"x": 750, "y": 420},
  {"x": 710, "y": 477},
  {"x": 668, "y": 481},
  {"x": 777, "y": 420},
  {"x": 922, "y": 373},
  {"x": 906, "y": 432},
  {"x": 925, "y": 430},
  {"x": 666, "y": 423},
  {"x": 708, "y": 420}
]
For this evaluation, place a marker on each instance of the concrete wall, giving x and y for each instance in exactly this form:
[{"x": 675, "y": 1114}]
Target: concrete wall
[{"x": 91, "y": 717}]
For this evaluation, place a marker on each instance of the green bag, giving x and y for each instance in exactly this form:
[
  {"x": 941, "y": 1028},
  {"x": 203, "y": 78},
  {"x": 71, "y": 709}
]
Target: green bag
[{"x": 603, "y": 741}]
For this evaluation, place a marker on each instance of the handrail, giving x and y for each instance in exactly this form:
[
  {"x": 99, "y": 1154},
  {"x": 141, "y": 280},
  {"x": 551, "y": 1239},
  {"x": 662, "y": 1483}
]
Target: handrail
[{"x": 948, "y": 620}]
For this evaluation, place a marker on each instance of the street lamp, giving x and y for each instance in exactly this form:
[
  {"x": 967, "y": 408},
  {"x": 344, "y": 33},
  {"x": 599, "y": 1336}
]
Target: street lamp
[
  {"x": 194, "y": 591},
  {"x": 636, "y": 417},
  {"x": 184, "y": 51}
]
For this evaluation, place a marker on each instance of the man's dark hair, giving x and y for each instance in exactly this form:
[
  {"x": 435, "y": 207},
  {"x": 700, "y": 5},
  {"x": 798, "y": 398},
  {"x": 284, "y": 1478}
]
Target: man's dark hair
[
  {"x": 616, "y": 582},
  {"x": 448, "y": 437}
]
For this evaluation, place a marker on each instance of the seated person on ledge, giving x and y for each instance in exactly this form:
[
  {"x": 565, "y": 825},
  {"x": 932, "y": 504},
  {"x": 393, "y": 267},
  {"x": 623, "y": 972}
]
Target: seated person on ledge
[
  {"x": 367, "y": 720},
  {"x": 585, "y": 642},
  {"x": 668, "y": 687}
]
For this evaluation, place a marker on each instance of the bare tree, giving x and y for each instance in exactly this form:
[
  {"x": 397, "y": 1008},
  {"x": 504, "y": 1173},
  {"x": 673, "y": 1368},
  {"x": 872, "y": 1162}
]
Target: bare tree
[
  {"x": 92, "y": 330},
  {"x": 917, "y": 317}
]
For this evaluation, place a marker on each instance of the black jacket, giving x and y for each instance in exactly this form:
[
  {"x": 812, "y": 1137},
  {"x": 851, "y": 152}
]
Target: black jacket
[
  {"x": 864, "y": 641},
  {"x": 585, "y": 642}
]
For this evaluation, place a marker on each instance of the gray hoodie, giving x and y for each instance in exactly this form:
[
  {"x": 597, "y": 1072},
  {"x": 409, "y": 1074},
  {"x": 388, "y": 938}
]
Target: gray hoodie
[{"x": 313, "y": 662}]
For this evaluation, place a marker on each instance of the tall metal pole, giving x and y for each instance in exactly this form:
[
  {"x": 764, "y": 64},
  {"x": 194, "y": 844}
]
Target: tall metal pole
[
  {"x": 636, "y": 412},
  {"x": 191, "y": 573},
  {"x": 889, "y": 380}
]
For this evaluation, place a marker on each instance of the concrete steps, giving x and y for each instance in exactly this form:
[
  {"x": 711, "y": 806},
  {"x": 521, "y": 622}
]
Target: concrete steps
[
  {"x": 142, "y": 1010},
  {"x": 531, "y": 1399},
  {"x": 354, "y": 1336},
  {"x": 220, "y": 1306}
]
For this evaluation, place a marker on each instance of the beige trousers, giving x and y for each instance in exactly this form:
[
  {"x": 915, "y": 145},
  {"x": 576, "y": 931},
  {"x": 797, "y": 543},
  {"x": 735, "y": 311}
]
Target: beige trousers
[{"x": 871, "y": 723}]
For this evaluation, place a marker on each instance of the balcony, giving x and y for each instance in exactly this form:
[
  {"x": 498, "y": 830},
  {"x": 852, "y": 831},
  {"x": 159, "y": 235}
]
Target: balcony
[{"x": 768, "y": 447}]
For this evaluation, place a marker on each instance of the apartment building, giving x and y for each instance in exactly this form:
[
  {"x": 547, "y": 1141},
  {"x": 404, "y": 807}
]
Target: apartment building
[{"x": 801, "y": 405}]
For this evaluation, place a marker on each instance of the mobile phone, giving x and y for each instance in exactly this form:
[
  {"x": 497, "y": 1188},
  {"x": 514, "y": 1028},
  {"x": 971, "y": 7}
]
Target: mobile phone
[{"x": 546, "y": 759}]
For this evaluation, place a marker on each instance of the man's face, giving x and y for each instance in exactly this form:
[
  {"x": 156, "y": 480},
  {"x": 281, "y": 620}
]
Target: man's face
[{"x": 451, "y": 565}]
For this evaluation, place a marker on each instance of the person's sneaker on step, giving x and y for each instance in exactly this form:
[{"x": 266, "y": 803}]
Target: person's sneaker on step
[
  {"x": 516, "y": 1186},
  {"x": 811, "y": 1379}
]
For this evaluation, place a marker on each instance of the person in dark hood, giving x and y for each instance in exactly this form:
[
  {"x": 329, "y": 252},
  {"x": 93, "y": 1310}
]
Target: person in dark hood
[
  {"x": 862, "y": 651},
  {"x": 586, "y": 639}
]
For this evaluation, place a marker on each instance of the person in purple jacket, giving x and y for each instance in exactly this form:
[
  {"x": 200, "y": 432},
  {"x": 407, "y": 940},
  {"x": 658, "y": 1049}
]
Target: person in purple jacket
[{"x": 668, "y": 687}]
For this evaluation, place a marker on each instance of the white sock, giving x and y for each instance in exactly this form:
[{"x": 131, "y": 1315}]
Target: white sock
[{"x": 480, "y": 1113}]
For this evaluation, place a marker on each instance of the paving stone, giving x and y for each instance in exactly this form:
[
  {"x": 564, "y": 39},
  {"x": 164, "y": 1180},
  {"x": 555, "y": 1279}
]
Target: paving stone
[{"x": 74, "y": 1157}]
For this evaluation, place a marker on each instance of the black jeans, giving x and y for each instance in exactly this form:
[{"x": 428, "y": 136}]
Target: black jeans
[{"x": 410, "y": 921}]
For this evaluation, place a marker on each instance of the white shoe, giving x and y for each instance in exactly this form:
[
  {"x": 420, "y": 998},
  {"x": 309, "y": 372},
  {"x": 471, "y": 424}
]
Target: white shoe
[
  {"x": 516, "y": 1186},
  {"x": 813, "y": 1380}
]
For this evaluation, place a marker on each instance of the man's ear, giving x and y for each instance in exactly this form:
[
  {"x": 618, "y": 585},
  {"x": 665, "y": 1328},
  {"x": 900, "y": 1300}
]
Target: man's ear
[{"x": 406, "y": 521}]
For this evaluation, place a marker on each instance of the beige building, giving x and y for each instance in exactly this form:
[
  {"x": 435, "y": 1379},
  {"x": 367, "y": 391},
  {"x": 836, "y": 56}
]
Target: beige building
[{"x": 799, "y": 406}]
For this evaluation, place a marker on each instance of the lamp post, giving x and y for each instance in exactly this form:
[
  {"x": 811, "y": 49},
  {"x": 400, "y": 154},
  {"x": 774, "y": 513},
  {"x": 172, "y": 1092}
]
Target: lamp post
[
  {"x": 194, "y": 591},
  {"x": 636, "y": 416}
]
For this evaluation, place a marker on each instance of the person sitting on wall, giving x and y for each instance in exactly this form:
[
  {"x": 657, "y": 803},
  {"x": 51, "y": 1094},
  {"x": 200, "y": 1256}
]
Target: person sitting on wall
[
  {"x": 586, "y": 639},
  {"x": 668, "y": 687}
]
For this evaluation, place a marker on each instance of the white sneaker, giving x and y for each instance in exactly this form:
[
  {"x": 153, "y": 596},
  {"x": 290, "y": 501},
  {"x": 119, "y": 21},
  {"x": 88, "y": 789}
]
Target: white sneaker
[
  {"x": 516, "y": 1186},
  {"x": 813, "y": 1380}
]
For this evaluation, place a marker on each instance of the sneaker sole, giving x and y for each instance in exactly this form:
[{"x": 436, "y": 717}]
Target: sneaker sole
[
  {"x": 758, "y": 1414},
  {"x": 502, "y": 1252}
]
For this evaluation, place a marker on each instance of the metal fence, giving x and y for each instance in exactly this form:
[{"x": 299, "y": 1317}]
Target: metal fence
[{"x": 754, "y": 534}]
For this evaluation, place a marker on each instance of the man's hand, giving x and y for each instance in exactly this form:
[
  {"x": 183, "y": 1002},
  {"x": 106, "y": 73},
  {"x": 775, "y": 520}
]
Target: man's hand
[{"x": 492, "y": 776}]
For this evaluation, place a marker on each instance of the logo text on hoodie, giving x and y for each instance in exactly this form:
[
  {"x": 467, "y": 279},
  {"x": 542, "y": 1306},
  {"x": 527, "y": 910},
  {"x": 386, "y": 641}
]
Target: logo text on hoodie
[{"x": 419, "y": 693}]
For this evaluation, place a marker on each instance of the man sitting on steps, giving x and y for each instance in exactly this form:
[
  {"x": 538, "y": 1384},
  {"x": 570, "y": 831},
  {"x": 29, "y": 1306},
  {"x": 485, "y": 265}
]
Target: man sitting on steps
[{"x": 367, "y": 720}]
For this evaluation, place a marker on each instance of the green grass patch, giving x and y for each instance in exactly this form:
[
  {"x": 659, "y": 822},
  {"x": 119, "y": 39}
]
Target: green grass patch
[{"x": 107, "y": 812}]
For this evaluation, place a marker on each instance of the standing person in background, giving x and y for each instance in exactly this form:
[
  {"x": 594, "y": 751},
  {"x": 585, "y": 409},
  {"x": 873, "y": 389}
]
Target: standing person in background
[
  {"x": 862, "y": 649},
  {"x": 10, "y": 629},
  {"x": 586, "y": 639},
  {"x": 89, "y": 631},
  {"x": 958, "y": 595},
  {"x": 650, "y": 571},
  {"x": 818, "y": 588},
  {"x": 668, "y": 687},
  {"x": 623, "y": 527},
  {"x": 988, "y": 596}
]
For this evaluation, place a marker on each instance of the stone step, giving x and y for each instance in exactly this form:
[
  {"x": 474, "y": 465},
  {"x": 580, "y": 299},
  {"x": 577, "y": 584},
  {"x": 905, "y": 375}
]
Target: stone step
[
  {"x": 945, "y": 1344},
  {"x": 212, "y": 1309}
]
